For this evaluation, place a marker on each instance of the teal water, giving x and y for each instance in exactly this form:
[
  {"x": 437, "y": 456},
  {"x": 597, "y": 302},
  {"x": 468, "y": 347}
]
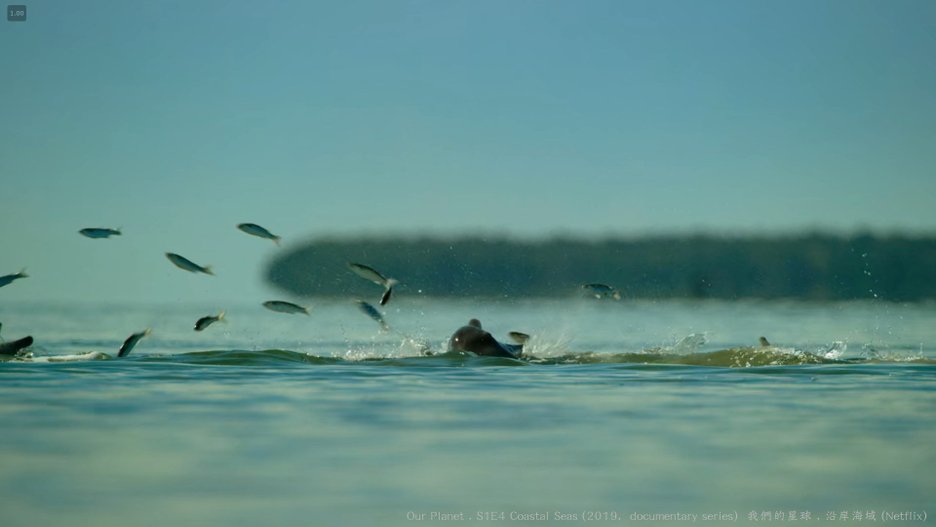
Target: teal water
[{"x": 623, "y": 411}]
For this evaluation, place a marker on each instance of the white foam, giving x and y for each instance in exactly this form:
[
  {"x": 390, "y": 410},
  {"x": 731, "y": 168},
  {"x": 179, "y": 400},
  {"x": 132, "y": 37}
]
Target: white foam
[{"x": 78, "y": 357}]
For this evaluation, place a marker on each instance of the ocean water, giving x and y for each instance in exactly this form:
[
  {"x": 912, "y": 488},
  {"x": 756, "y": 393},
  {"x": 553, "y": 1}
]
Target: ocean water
[{"x": 623, "y": 413}]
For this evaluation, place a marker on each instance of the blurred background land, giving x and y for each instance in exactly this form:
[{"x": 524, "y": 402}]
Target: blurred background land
[{"x": 808, "y": 266}]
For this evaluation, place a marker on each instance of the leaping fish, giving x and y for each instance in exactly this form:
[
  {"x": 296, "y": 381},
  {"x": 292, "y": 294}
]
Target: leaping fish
[
  {"x": 204, "y": 322},
  {"x": 131, "y": 341},
  {"x": 285, "y": 307},
  {"x": 99, "y": 232},
  {"x": 256, "y": 230},
  {"x": 518, "y": 337},
  {"x": 601, "y": 291},
  {"x": 372, "y": 312},
  {"x": 369, "y": 273},
  {"x": 187, "y": 265},
  {"x": 8, "y": 279}
]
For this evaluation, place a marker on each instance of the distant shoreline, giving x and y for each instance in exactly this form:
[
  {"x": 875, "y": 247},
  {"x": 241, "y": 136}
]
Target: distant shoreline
[{"x": 805, "y": 267}]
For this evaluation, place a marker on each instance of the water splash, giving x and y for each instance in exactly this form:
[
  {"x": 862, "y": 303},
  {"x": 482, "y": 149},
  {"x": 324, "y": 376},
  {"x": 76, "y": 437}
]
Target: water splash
[
  {"x": 684, "y": 346},
  {"x": 689, "y": 344},
  {"x": 835, "y": 351},
  {"x": 548, "y": 345}
]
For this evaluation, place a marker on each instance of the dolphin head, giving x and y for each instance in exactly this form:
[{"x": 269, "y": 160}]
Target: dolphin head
[{"x": 473, "y": 338}]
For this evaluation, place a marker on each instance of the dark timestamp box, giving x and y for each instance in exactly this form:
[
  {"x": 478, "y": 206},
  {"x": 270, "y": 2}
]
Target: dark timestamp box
[{"x": 16, "y": 13}]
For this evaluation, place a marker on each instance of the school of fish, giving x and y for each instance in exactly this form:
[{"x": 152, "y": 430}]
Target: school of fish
[{"x": 21, "y": 346}]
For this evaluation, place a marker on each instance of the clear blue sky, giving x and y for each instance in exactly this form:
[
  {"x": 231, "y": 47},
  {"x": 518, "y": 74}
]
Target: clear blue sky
[{"x": 178, "y": 119}]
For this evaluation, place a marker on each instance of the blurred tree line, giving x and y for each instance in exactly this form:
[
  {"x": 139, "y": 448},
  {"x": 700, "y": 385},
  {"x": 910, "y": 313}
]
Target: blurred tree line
[{"x": 810, "y": 266}]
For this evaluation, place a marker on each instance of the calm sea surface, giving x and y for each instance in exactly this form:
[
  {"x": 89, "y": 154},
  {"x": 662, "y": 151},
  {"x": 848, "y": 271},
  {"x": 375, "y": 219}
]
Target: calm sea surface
[{"x": 626, "y": 413}]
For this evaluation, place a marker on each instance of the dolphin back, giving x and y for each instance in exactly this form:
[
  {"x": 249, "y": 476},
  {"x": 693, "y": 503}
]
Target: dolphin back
[{"x": 473, "y": 339}]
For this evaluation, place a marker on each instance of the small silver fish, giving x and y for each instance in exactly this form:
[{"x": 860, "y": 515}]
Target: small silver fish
[
  {"x": 369, "y": 273},
  {"x": 96, "y": 232},
  {"x": 8, "y": 279},
  {"x": 256, "y": 230},
  {"x": 131, "y": 341},
  {"x": 519, "y": 338},
  {"x": 204, "y": 322},
  {"x": 601, "y": 291},
  {"x": 372, "y": 312},
  {"x": 187, "y": 265},
  {"x": 285, "y": 307}
]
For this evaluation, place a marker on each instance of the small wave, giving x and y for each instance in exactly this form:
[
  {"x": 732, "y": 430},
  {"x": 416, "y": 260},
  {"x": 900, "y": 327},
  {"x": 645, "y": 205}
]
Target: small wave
[
  {"x": 740, "y": 357},
  {"x": 274, "y": 357},
  {"x": 730, "y": 358},
  {"x": 244, "y": 358}
]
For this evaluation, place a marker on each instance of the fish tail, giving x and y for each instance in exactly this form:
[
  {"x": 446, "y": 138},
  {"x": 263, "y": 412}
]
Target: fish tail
[
  {"x": 207, "y": 270},
  {"x": 221, "y": 316},
  {"x": 22, "y": 273},
  {"x": 276, "y": 240}
]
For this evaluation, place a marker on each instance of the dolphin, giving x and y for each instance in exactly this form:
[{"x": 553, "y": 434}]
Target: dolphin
[
  {"x": 14, "y": 347},
  {"x": 474, "y": 339}
]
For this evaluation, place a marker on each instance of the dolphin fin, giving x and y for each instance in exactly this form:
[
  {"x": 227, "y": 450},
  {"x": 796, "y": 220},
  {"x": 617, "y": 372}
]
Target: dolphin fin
[{"x": 14, "y": 347}]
